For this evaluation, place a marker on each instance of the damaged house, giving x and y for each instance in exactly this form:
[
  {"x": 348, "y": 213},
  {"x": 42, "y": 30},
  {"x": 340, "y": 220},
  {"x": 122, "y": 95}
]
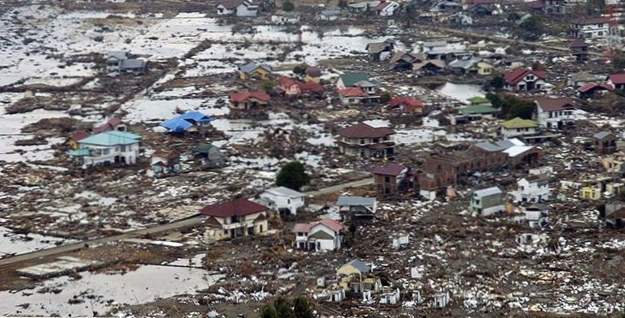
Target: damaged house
[
  {"x": 239, "y": 8},
  {"x": 165, "y": 163},
  {"x": 357, "y": 277},
  {"x": 209, "y": 155},
  {"x": 249, "y": 102},
  {"x": 613, "y": 214},
  {"x": 237, "y": 218},
  {"x": 487, "y": 201},
  {"x": 380, "y": 51},
  {"x": 352, "y": 207},
  {"x": 366, "y": 141},
  {"x": 392, "y": 179},
  {"x": 283, "y": 200},
  {"x": 319, "y": 236}
]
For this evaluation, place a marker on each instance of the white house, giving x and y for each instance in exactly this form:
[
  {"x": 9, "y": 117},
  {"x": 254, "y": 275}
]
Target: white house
[
  {"x": 553, "y": 113},
  {"x": 487, "y": 201},
  {"x": 240, "y": 8},
  {"x": 518, "y": 127},
  {"x": 524, "y": 79},
  {"x": 591, "y": 28},
  {"x": 387, "y": 8},
  {"x": 283, "y": 199},
  {"x": 532, "y": 189},
  {"x": 109, "y": 147},
  {"x": 324, "y": 235}
]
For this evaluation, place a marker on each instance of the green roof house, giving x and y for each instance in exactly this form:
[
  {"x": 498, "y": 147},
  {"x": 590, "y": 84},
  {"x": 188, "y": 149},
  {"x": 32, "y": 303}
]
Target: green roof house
[
  {"x": 110, "y": 147},
  {"x": 518, "y": 127}
]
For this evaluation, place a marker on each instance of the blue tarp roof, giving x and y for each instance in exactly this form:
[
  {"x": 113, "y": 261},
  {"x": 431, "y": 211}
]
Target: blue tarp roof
[
  {"x": 196, "y": 116},
  {"x": 185, "y": 121},
  {"x": 176, "y": 124}
]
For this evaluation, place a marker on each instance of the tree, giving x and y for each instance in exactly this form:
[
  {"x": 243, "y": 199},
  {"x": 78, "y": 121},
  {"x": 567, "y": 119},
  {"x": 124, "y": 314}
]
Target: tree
[
  {"x": 619, "y": 61},
  {"x": 300, "y": 69},
  {"x": 494, "y": 100},
  {"x": 531, "y": 28},
  {"x": 302, "y": 308},
  {"x": 283, "y": 308},
  {"x": 497, "y": 82},
  {"x": 292, "y": 175},
  {"x": 385, "y": 97},
  {"x": 516, "y": 107},
  {"x": 269, "y": 311},
  {"x": 288, "y": 6},
  {"x": 268, "y": 85}
]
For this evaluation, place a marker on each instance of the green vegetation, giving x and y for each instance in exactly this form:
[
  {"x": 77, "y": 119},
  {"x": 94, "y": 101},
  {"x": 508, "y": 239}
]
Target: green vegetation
[
  {"x": 288, "y": 6},
  {"x": 512, "y": 106},
  {"x": 293, "y": 176},
  {"x": 283, "y": 308}
]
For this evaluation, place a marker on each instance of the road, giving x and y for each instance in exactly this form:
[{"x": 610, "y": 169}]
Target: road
[{"x": 177, "y": 225}]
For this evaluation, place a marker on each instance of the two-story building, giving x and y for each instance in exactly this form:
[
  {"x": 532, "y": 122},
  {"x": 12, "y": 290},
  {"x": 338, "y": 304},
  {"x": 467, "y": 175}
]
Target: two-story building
[
  {"x": 517, "y": 127},
  {"x": 487, "y": 201},
  {"x": 366, "y": 141},
  {"x": 523, "y": 79},
  {"x": 324, "y": 235},
  {"x": 393, "y": 178},
  {"x": 533, "y": 189},
  {"x": 237, "y": 218},
  {"x": 591, "y": 28},
  {"x": 554, "y": 112},
  {"x": 110, "y": 147},
  {"x": 283, "y": 200}
]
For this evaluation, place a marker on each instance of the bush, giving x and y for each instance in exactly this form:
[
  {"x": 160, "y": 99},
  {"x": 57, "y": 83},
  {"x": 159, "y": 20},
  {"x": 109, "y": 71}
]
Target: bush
[
  {"x": 288, "y": 6},
  {"x": 293, "y": 176},
  {"x": 386, "y": 96}
]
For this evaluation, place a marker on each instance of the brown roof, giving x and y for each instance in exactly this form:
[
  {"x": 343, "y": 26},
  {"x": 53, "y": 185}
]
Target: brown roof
[
  {"x": 79, "y": 135},
  {"x": 246, "y": 95},
  {"x": 238, "y": 207},
  {"x": 617, "y": 79},
  {"x": 362, "y": 130},
  {"x": 352, "y": 92},
  {"x": 515, "y": 75},
  {"x": 551, "y": 104},
  {"x": 108, "y": 125},
  {"x": 391, "y": 169},
  {"x": 334, "y": 225}
]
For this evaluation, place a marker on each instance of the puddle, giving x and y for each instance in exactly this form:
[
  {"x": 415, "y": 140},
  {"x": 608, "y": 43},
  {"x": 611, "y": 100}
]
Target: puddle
[{"x": 97, "y": 294}]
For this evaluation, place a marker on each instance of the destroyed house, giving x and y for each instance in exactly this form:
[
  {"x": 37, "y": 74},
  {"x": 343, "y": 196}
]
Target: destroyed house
[
  {"x": 617, "y": 81},
  {"x": 113, "y": 123},
  {"x": 352, "y": 207},
  {"x": 604, "y": 142},
  {"x": 380, "y": 51},
  {"x": 392, "y": 179},
  {"x": 406, "y": 104},
  {"x": 165, "y": 163},
  {"x": 209, "y": 156},
  {"x": 613, "y": 214},
  {"x": 403, "y": 61},
  {"x": 237, "y": 218},
  {"x": 324, "y": 235},
  {"x": 366, "y": 141}
]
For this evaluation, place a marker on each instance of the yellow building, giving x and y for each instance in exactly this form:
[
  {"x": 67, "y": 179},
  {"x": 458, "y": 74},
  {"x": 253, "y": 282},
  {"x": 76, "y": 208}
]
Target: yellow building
[
  {"x": 590, "y": 193},
  {"x": 484, "y": 68},
  {"x": 252, "y": 70}
]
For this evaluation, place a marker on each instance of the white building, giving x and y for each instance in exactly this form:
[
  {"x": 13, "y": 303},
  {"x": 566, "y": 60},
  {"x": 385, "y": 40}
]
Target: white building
[
  {"x": 487, "y": 201},
  {"x": 282, "y": 17},
  {"x": 553, "y": 113},
  {"x": 591, "y": 28},
  {"x": 240, "y": 8},
  {"x": 518, "y": 127},
  {"x": 110, "y": 147},
  {"x": 283, "y": 199},
  {"x": 387, "y": 8},
  {"x": 532, "y": 189},
  {"x": 324, "y": 235}
]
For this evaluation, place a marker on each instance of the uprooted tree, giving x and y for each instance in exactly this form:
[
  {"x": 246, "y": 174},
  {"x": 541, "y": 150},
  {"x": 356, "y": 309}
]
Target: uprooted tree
[{"x": 293, "y": 176}]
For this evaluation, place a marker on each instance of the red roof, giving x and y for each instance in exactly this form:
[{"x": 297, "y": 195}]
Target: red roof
[
  {"x": 352, "y": 92},
  {"x": 382, "y": 5},
  {"x": 108, "y": 125},
  {"x": 287, "y": 82},
  {"x": 410, "y": 104},
  {"x": 79, "y": 135},
  {"x": 551, "y": 104},
  {"x": 591, "y": 86},
  {"x": 362, "y": 130},
  {"x": 617, "y": 79},
  {"x": 335, "y": 226},
  {"x": 238, "y": 207},
  {"x": 311, "y": 87},
  {"x": 514, "y": 76},
  {"x": 245, "y": 95},
  {"x": 391, "y": 169}
]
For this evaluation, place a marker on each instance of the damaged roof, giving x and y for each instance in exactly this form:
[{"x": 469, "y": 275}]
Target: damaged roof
[
  {"x": 362, "y": 130},
  {"x": 238, "y": 207},
  {"x": 391, "y": 169}
]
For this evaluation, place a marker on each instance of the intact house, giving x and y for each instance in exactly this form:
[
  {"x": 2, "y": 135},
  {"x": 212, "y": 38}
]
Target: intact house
[
  {"x": 392, "y": 179},
  {"x": 352, "y": 207},
  {"x": 165, "y": 163},
  {"x": 209, "y": 156},
  {"x": 283, "y": 200},
  {"x": 359, "y": 80},
  {"x": 380, "y": 51},
  {"x": 122, "y": 62},
  {"x": 253, "y": 70},
  {"x": 533, "y": 189},
  {"x": 352, "y": 95},
  {"x": 110, "y": 147},
  {"x": 523, "y": 79},
  {"x": 487, "y": 201},
  {"x": 324, "y": 235},
  {"x": 387, "y": 8},
  {"x": 366, "y": 141},
  {"x": 249, "y": 101},
  {"x": 591, "y": 28},
  {"x": 283, "y": 17},
  {"x": 554, "y": 112},
  {"x": 237, "y": 218},
  {"x": 593, "y": 90},
  {"x": 604, "y": 142},
  {"x": 189, "y": 122},
  {"x": 240, "y": 8},
  {"x": 474, "y": 112},
  {"x": 518, "y": 127}
]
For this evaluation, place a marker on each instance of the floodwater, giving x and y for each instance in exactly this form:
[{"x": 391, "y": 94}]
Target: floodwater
[
  {"x": 98, "y": 293},
  {"x": 461, "y": 92}
]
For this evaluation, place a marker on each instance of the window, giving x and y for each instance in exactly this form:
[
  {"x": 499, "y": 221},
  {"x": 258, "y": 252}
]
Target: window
[
  {"x": 362, "y": 141},
  {"x": 106, "y": 151},
  {"x": 123, "y": 148},
  {"x": 387, "y": 179},
  {"x": 225, "y": 232}
]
